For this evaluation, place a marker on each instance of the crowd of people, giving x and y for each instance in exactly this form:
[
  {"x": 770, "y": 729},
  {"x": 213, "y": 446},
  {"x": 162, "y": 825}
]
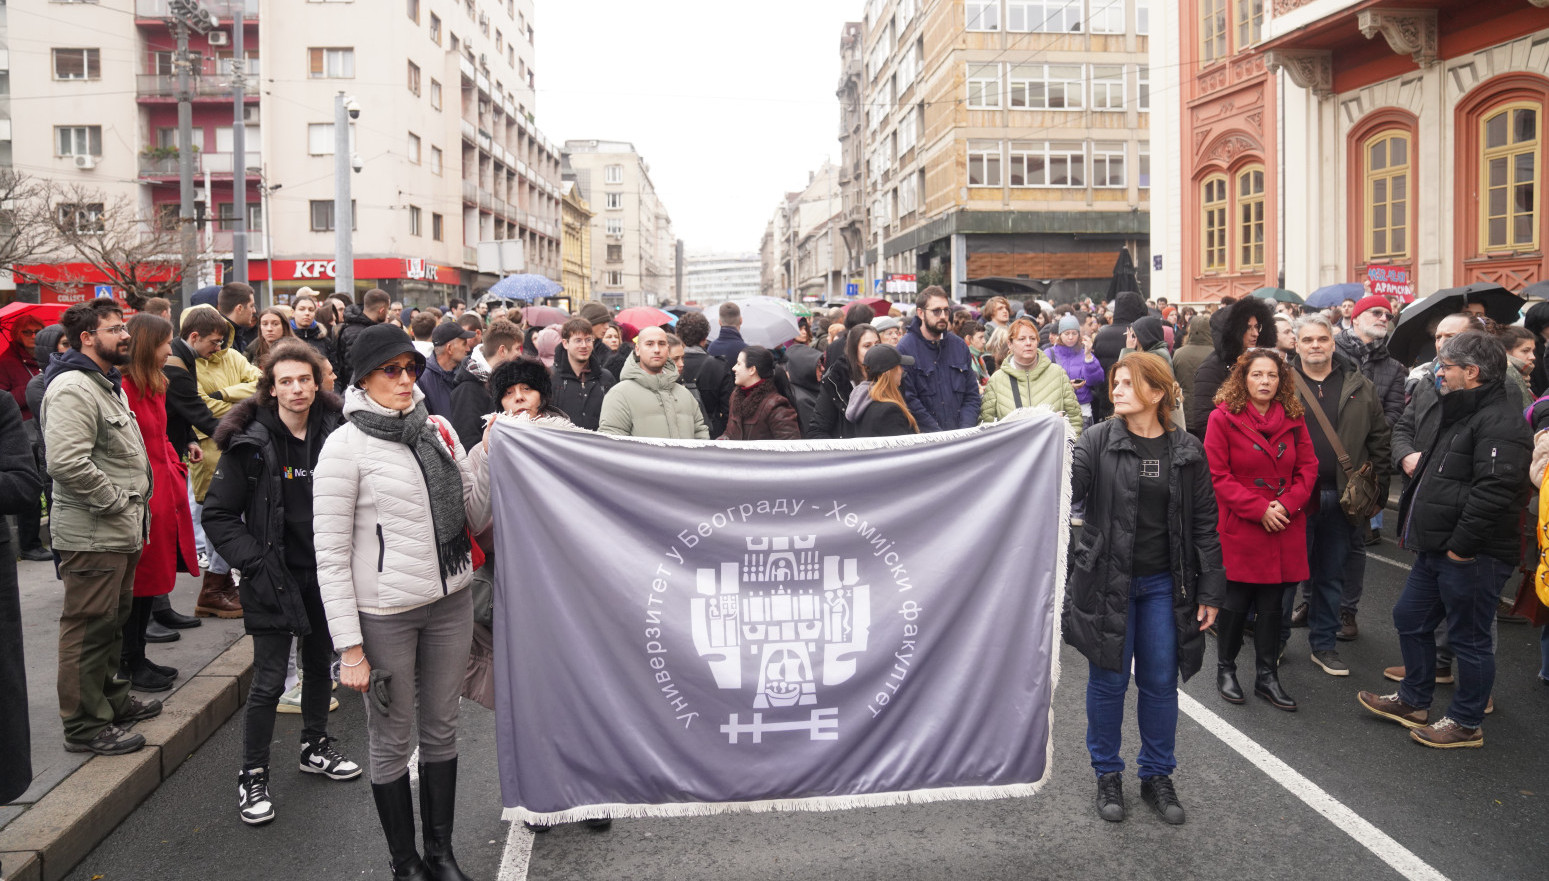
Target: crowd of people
[{"x": 322, "y": 466}]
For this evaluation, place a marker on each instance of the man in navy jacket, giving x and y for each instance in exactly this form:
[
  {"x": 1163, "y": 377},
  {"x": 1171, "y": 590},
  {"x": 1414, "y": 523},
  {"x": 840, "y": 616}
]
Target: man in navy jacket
[{"x": 941, "y": 388}]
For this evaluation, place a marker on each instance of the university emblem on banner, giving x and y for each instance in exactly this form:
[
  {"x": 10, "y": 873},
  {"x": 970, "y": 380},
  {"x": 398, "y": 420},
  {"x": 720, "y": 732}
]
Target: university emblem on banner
[{"x": 781, "y": 624}]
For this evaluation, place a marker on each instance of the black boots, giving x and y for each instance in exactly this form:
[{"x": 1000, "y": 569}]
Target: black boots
[
  {"x": 1266, "y": 642},
  {"x": 438, "y": 800},
  {"x": 1228, "y": 643},
  {"x": 395, "y": 807}
]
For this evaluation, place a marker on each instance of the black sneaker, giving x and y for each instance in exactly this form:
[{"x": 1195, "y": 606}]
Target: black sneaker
[
  {"x": 1331, "y": 663},
  {"x": 136, "y": 710},
  {"x": 38, "y": 554},
  {"x": 1159, "y": 794},
  {"x": 110, "y": 741},
  {"x": 143, "y": 678},
  {"x": 1110, "y": 797},
  {"x": 253, "y": 803},
  {"x": 319, "y": 757},
  {"x": 169, "y": 672}
]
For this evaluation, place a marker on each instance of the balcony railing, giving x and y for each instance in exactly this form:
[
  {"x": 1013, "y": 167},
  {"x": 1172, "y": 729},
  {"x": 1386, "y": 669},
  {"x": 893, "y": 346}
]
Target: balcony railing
[
  {"x": 471, "y": 192},
  {"x": 158, "y": 164},
  {"x": 212, "y": 79},
  {"x": 161, "y": 9}
]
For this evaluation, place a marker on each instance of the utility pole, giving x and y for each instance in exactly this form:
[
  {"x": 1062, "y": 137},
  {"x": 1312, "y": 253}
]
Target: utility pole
[
  {"x": 344, "y": 110},
  {"x": 239, "y": 147}
]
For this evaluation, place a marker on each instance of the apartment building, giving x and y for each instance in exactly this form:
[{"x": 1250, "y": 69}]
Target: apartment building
[
  {"x": 710, "y": 279},
  {"x": 1397, "y": 145},
  {"x": 1006, "y": 139},
  {"x": 810, "y": 223},
  {"x": 577, "y": 245},
  {"x": 448, "y": 152},
  {"x": 633, "y": 249}
]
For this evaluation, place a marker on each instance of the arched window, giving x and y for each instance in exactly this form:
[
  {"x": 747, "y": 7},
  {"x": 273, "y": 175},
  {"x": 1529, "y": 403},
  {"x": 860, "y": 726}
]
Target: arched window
[
  {"x": 1250, "y": 218},
  {"x": 1387, "y": 156},
  {"x": 1509, "y": 177},
  {"x": 1213, "y": 201}
]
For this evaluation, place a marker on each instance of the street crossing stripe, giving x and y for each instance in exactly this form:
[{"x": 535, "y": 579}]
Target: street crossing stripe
[
  {"x": 1391, "y": 562},
  {"x": 1400, "y": 858},
  {"x": 517, "y": 854}
]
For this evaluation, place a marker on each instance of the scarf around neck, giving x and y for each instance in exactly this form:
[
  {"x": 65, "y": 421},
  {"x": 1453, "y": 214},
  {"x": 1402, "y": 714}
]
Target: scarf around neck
[{"x": 443, "y": 479}]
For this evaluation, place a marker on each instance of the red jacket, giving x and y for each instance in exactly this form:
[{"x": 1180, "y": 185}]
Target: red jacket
[
  {"x": 17, "y": 368},
  {"x": 761, "y": 413},
  {"x": 1253, "y": 461}
]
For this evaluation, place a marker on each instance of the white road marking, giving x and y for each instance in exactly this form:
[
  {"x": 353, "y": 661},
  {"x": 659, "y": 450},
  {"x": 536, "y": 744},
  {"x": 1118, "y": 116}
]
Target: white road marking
[
  {"x": 518, "y": 852},
  {"x": 1389, "y": 560},
  {"x": 414, "y": 766},
  {"x": 1400, "y": 858}
]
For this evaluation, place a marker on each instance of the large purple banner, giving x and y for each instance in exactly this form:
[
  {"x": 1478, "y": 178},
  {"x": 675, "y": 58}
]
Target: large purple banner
[{"x": 690, "y": 627}]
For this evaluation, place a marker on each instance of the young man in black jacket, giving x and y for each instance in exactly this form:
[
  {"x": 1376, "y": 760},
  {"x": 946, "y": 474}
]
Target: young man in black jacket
[
  {"x": 471, "y": 401},
  {"x": 258, "y": 514},
  {"x": 580, "y": 380}
]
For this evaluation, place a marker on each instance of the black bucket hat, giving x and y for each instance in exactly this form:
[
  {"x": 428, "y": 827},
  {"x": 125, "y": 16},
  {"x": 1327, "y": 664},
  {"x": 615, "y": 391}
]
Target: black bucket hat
[{"x": 377, "y": 345}]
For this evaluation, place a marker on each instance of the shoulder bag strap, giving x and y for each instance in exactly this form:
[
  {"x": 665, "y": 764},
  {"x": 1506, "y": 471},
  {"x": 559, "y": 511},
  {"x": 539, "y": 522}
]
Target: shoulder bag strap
[
  {"x": 1016, "y": 390},
  {"x": 1317, "y": 411}
]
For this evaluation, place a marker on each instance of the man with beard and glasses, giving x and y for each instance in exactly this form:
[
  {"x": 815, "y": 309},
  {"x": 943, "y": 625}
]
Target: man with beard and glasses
[
  {"x": 941, "y": 387},
  {"x": 99, "y": 523}
]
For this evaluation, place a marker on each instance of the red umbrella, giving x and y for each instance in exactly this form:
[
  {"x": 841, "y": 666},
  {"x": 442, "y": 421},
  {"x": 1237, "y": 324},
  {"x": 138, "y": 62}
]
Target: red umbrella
[
  {"x": 879, "y": 306},
  {"x": 543, "y": 316},
  {"x": 13, "y": 313}
]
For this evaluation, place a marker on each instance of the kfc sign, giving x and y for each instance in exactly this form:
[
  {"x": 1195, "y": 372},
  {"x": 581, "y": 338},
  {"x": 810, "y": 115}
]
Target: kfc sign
[
  {"x": 417, "y": 268},
  {"x": 316, "y": 269}
]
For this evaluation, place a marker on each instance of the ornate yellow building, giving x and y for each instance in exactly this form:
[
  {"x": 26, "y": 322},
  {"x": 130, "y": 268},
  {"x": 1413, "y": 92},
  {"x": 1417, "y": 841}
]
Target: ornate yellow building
[{"x": 576, "y": 249}]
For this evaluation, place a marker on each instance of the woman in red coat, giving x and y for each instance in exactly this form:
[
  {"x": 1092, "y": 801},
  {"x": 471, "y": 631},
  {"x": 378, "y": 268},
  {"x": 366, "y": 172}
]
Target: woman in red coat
[
  {"x": 170, "y": 546},
  {"x": 1264, "y": 471},
  {"x": 759, "y": 408}
]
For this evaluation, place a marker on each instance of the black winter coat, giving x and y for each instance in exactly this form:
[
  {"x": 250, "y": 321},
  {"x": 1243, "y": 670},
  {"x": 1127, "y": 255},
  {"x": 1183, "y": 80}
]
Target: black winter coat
[
  {"x": 244, "y": 511},
  {"x": 186, "y": 411},
  {"x": 353, "y": 323},
  {"x": 1108, "y": 344},
  {"x": 580, "y": 400},
  {"x": 801, "y": 365},
  {"x": 317, "y": 337},
  {"x": 712, "y": 381},
  {"x": 1385, "y": 372},
  {"x": 1227, "y": 327},
  {"x": 470, "y": 404},
  {"x": 19, "y": 490},
  {"x": 1471, "y": 485},
  {"x": 828, "y": 419},
  {"x": 1106, "y": 474}
]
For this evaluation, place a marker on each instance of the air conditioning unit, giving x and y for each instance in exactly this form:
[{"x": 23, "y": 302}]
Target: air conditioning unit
[
  {"x": 219, "y": 38},
  {"x": 250, "y": 114},
  {"x": 86, "y": 161},
  {"x": 483, "y": 59}
]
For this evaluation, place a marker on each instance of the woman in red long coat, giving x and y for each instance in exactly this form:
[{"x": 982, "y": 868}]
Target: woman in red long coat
[
  {"x": 170, "y": 546},
  {"x": 1265, "y": 472}
]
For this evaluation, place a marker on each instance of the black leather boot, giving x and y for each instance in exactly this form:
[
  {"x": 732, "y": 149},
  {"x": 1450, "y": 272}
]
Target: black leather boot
[
  {"x": 1228, "y": 643},
  {"x": 1266, "y": 633},
  {"x": 1267, "y": 686},
  {"x": 395, "y": 807},
  {"x": 438, "y": 800}
]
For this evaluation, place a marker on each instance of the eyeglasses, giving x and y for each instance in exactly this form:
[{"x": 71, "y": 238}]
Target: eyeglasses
[
  {"x": 1378, "y": 313},
  {"x": 116, "y": 330},
  {"x": 942, "y": 311},
  {"x": 391, "y": 371},
  {"x": 1445, "y": 366}
]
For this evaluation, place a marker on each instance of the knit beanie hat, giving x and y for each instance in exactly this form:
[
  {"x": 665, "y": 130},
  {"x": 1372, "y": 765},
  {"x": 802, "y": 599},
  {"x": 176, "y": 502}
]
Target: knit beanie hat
[
  {"x": 1372, "y": 302},
  {"x": 1069, "y": 322}
]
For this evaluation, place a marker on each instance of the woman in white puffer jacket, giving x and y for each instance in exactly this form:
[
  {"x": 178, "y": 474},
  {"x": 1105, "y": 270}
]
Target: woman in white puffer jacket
[{"x": 393, "y": 506}]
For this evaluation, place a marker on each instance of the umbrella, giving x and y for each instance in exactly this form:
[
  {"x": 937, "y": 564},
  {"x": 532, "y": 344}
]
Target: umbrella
[
  {"x": 1124, "y": 278},
  {"x": 542, "y": 316},
  {"x": 879, "y": 306},
  {"x": 1331, "y": 295},
  {"x": 646, "y": 316},
  {"x": 1279, "y": 295},
  {"x": 13, "y": 313},
  {"x": 526, "y": 287},
  {"x": 681, "y": 310},
  {"x": 1539, "y": 291},
  {"x": 766, "y": 322},
  {"x": 1413, "y": 336}
]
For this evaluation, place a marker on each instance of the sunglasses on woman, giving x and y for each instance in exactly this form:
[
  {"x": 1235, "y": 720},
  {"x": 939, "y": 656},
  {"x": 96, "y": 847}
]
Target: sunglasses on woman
[{"x": 391, "y": 371}]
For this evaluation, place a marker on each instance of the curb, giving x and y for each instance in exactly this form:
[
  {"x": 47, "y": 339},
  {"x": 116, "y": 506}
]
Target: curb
[{"x": 56, "y": 833}]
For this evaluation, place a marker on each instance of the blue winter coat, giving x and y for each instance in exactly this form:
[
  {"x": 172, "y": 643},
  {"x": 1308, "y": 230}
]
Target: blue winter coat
[{"x": 941, "y": 388}]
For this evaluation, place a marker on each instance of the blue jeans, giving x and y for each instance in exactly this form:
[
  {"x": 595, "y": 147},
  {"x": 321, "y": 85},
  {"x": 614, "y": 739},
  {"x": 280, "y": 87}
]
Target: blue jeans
[
  {"x": 1151, "y": 641},
  {"x": 1330, "y": 536},
  {"x": 1463, "y": 595}
]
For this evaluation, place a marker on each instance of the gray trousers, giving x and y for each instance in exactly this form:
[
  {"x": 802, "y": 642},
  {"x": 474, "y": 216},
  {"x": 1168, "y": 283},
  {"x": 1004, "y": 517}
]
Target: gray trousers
[{"x": 428, "y": 645}]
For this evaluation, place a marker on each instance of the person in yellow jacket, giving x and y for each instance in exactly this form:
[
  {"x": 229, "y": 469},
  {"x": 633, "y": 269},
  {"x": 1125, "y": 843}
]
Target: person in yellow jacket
[
  {"x": 1028, "y": 378},
  {"x": 225, "y": 378}
]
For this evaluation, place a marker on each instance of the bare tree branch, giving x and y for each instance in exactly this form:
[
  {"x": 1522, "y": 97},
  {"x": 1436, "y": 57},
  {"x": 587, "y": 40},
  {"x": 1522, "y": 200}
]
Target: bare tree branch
[
  {"x": 22, "y": 239},
  {"x": 108, "y": 234}
]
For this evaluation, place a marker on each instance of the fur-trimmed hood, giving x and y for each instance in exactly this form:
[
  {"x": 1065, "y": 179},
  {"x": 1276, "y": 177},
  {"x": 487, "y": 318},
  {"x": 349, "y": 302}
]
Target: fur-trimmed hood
[
  {"x": 1229, "y": 323},
  {"x": 235, "y": 423}
]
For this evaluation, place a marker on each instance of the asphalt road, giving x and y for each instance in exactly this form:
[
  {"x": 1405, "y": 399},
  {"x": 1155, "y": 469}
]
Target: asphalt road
[{"x": 1470, "y": 815}]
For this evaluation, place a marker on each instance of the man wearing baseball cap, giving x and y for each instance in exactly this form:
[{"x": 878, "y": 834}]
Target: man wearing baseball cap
[{"x": 449, "y": 346}]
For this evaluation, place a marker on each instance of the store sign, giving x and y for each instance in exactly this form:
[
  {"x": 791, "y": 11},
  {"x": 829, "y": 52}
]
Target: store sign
[
  {"x": 420, "y": 269},
  {"x": 417, "y": 268},
  {"x": 1390, "y": 281},
  {"x": 900, "y": 283}
]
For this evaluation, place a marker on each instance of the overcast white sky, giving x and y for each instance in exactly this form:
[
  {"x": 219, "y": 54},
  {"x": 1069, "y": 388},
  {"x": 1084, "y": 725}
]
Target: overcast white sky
[{"x": 731, "y": 103}]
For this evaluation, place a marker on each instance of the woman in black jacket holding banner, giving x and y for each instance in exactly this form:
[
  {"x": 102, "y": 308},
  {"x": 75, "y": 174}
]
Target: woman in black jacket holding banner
[{"x": 1145, "y": 577}]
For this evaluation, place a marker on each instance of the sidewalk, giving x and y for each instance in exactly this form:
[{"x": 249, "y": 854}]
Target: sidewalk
[{"x": 76, "y": 799}]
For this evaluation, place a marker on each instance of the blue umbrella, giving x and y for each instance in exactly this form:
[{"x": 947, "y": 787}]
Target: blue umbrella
[
  {"x": 1329, "y": 296},
  {"x": 526, "y": 287}
]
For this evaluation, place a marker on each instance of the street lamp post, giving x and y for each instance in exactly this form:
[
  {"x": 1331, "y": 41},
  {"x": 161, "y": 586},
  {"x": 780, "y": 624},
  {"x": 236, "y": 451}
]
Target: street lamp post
[
  {"x": 345, "y": 110},
  {"x": 185, "y": 16},
  {"x": 265, "y": 190}
]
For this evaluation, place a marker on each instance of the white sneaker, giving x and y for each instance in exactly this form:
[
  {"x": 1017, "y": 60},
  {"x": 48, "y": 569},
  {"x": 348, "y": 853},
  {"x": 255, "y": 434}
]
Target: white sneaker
[
  {"x": 319, "y": 757},
  {"x": 253, "y": 802},
  {"x": 290, "y": 702}
]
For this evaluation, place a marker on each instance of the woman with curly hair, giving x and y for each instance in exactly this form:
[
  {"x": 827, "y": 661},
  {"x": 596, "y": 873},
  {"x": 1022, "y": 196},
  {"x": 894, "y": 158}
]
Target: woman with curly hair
[{"x": 1265, "y": 471}]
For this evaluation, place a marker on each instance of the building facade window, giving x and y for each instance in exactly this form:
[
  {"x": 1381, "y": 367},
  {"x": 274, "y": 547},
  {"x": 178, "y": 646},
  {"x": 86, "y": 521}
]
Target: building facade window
[
  {"x": 613, "y": 201},
  {"x": 983, "y": 87},
  {"x": 414, "y": 79},
  {"x": 1047, "y": 86},
  {"x": 414, "y": 221},
  {"x": 331, "y": 63},
  {"x": 1250, "y": 22},
  {"x": 614, "y": 227},
  {"x": 322, "y": 215},
  {"x": 1250, "y": 218},
  {"x": 984, "y": 163},
  {"x": 1212, "y": 30},
  {"x": 1387, "y": 165},
  {"x": 1048, "y": 164},
  {"x": 80, "y": 216},
  {"x": 437, "y": 227},
  {"x": 613, "y": 174},
  {"x": 615, "y": 254},
  {"x": 414, "y": 11},
  {"x": 613, "y": 278},
  {"x": 435, "y": 95},
  {"x": 77, "y": 64},
  {"x": 1213, "y": 222},
  {"x": 435, "y": 29},
  {"x": 1143, "y": 88},
  {"x": 1510, "y": 140},
  {"x": 1143, "y": 17},
  {"x": 1143, "y": 167},
  {"x": 1107, "y": 17},
  {"x": 414, "y": 148},
  {"x": 79, "y": 140},
  {"x": 1107, "y": 87},
  {"x": 1045, "y": 16},
  {"x": 226, "y": 217},
  {"x": 1108, "y": 165},
  {"x": 435, "y": 160},
  {"x": 982, "y": 15}
]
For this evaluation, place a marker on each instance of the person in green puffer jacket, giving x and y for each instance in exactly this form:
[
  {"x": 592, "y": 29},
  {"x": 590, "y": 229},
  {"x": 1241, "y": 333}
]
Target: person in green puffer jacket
[
  {"x": 648, "y": 400},
  {"x": 1028, "y": 378}
]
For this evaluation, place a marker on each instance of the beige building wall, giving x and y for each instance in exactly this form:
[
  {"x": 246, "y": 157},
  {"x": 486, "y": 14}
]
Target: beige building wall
[
  {"x": 633, "y": 252},
  {"x": 577, "y": 245}
]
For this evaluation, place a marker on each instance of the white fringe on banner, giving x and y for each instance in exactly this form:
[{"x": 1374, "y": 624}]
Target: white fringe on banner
[{"x": 859, "y": 800}]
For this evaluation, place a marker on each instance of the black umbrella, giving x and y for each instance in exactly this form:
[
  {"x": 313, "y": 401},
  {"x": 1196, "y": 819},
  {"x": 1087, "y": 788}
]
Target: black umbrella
[
  {"x": 1413, "y": 337},
  {"x": 1124, "y": 278}
]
